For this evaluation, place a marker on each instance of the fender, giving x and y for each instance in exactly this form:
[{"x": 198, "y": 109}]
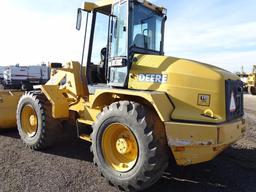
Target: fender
[{"x": 158, "y": 100}]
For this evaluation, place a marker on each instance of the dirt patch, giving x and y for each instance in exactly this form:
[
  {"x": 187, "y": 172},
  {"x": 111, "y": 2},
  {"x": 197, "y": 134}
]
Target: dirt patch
[{"x": 68, "y": 166}]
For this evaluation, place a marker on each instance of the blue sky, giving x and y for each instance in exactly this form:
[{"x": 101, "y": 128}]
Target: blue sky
[{"x": 218, "y": 32}]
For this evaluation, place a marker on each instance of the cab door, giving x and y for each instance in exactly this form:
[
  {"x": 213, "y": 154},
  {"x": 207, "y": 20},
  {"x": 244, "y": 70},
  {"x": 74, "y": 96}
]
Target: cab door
[{"x": 118, "y": 45}]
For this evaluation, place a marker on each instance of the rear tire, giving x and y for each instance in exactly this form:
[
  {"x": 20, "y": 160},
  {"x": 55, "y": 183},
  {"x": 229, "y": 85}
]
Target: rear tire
[
  {"x": 152, "y": 151},
  {"x": 37, "y": 128}
]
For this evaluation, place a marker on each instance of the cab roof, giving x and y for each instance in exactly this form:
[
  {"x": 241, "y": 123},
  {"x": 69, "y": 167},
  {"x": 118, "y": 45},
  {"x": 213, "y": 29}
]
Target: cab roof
[{"x": 104, "y": 6}]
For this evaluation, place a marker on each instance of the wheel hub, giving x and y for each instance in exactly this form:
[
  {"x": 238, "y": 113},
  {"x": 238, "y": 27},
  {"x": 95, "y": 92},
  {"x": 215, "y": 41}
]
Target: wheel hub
[
  {"x": 123, "y": 145},
  {"x": 33, "y": 120}
]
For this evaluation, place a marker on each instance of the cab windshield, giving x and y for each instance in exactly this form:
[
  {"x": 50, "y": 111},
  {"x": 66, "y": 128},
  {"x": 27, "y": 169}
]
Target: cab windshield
[{"x": 146, "y": 29}]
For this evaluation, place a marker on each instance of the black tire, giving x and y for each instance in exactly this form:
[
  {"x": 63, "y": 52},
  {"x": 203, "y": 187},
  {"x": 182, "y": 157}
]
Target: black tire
[
  {"x": 26, "y": 87},
  {"x": 252, "y": 90},
  {"x": 153, "y": 155},
  {"x": 47, "y": 126}
]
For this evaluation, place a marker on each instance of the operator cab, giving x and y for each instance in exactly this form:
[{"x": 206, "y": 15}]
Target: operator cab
[{"x": 118, "y": 30}]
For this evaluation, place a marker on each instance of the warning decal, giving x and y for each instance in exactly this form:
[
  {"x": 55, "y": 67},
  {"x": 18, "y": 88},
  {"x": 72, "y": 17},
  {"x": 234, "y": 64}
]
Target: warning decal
[{"x": 232, "y": 107}]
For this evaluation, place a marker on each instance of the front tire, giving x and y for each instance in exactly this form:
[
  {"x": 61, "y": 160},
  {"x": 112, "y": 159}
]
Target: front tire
[
  {"x": 129, "y": 146},
  {"x": 26, "y": 87},
  {"x": 37, "y": 128}
]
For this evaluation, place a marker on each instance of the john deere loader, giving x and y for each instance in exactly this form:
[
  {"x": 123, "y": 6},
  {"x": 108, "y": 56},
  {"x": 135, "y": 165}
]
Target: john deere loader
[{"x": 140, "y": 107}]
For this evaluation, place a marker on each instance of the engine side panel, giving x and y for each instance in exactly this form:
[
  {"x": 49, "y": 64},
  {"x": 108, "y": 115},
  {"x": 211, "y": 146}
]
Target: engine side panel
[{"x": 197, "y": 90}]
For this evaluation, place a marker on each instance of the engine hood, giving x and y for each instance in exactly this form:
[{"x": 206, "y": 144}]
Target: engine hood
[{"x": 197, "y": 90}]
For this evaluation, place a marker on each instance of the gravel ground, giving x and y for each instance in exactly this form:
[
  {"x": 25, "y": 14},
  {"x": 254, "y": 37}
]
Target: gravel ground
[{"x": 68, "y": 166}]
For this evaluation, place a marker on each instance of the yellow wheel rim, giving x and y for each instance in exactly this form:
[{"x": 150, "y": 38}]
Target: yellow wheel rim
[
  {"x": 29, "y": 120},
  {"x": 119, "y": 147}
]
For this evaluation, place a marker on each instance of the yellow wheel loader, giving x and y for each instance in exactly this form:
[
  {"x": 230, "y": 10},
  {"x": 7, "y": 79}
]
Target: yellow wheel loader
[
  {"x": 251, "y": 82},
  {"x": 140, "y": 107}
]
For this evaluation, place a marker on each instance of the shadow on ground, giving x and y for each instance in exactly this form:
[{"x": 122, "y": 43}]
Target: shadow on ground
[
  {"x": 67, "y": 145},
  {"x": 70, "y": 146},
  {"x": 233, "y": 170},
  {"x": 12, "y": 133},
  {"x": 73, "y": 148}
]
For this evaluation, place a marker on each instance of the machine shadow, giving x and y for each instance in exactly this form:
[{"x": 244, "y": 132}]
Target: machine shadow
[
  {"x": 221, "y": 174},
  {"x": 66, "y": 145},
  {"x": 12, "y": 133},
  {"x": 70, "y": 146}
]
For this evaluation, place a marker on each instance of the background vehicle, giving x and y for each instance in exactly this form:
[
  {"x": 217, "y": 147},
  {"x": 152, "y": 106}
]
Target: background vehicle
[
  {"x": 24, "y": 77},
  {"x": 2, "y": 69},
  {"x": 251, "y": 81},
  {"x": 139, "y": 106},
  {"x": 243, "y": 76}
]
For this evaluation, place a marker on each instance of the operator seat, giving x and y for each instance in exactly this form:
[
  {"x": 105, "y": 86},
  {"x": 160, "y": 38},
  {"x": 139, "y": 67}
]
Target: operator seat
[
  {"x": 102, "y": 66},
  {"x": 96, "y": 72},
  {"x": 141, "y": 41}
]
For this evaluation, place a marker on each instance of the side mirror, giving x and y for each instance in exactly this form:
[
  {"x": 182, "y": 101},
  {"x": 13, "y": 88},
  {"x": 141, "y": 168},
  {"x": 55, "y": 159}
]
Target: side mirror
[{"x": 79, "y": 19}]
